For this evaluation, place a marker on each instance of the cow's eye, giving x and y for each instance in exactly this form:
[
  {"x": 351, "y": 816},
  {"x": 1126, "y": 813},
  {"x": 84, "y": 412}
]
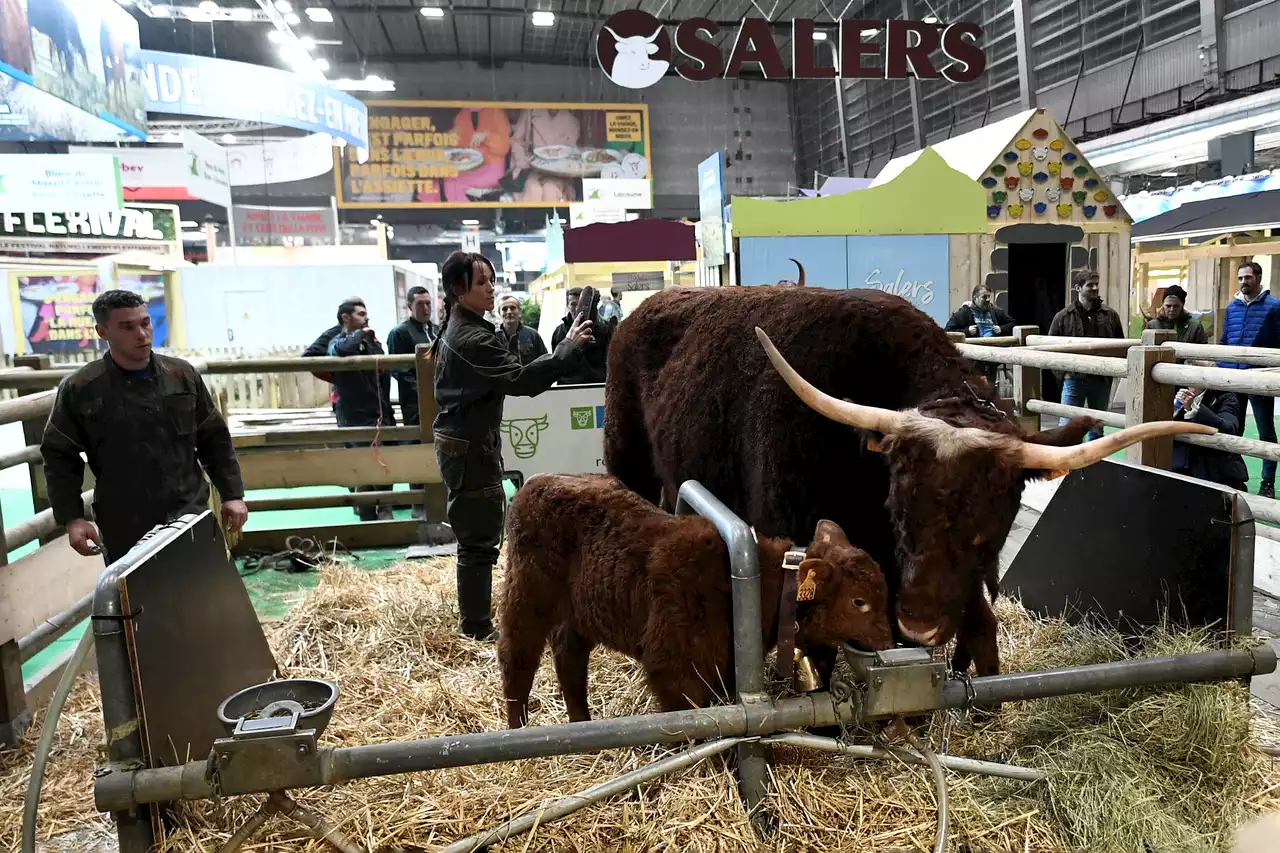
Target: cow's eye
[{"x": 858, "y": 602}]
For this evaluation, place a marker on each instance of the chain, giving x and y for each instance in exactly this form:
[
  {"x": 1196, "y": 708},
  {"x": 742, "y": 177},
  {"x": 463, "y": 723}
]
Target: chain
[
  {"x": 984, "y": 402},
  {"x": 219, "y": 808}
]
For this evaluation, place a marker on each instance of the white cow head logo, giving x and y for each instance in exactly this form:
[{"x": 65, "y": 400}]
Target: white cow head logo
[
  {"x": 1040, "y": 152},
  {"x": 635, "y": 66},
  {"x": 523, "y": 433},
  {"x": 1026, "y": 193}
]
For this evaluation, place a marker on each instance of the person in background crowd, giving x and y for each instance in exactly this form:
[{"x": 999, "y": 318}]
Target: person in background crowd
[
  {"x": 980, "y": 317},
  {"x": 364, "y": 396},
  {"x": 521, "y": 341},
  {"x": 150, "y": 432},
  {"x": 1174, "y": 316},
  {"x": 320, "y": 347},
  {"x": 473, "y": 375},
  {"x": 1252, "y": 321},
  {"x": 1087, "y": 317},
  {"x": 591, "y": 363},
  {"x": 610, "y": 311},
  {"x": 1220, "y": 410},
  {"x": 403, "y": 340}
]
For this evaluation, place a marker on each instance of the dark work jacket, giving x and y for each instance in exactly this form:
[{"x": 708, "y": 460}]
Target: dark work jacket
[
  {"x": 364, "y": 396},
  {"x": 591, "y": 363},
  {"x": 404, "y": 340},
  {"x": 963, "y": 319},
  {"x": 1187, "y": 329},
  {"x": 526, "y": 345},
  {"x": 474, "y": 374},
  {"x": 1075, "y": 321},
  {"x": 1218, "y": 409},
  {"x": 320, "y": 347},
  {"x": 150, "y": 437}
]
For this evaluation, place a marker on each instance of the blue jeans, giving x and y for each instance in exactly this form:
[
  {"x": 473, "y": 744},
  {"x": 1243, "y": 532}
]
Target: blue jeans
[
  {"x": 1092, "y": 392},
  {"x": 1264, "y": 411}
]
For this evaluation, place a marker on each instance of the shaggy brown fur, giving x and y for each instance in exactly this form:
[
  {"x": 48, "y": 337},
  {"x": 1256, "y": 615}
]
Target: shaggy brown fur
[
  {"x": 590, "y": 562},
  {"x": 692, "y": 395}
]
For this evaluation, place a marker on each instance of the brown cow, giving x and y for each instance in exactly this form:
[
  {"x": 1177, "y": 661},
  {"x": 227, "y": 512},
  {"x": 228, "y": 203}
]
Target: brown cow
[
  {"x": 591, "y": 563},
  {"x": 692, "y": 395}
]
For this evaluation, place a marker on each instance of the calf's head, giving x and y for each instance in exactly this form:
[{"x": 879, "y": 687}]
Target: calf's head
[
  {"x": 954, "y": 491},
  {"x": 850, "y": 600}
]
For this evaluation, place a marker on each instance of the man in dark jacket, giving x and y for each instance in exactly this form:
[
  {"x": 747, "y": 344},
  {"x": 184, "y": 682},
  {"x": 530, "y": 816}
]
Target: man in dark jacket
[
  {"x": 590, "y": 363},
  {"x": 521, "y": 341},
  {"x": 982, "y": 318},
  {"x": 320, "y": 348},
  {"x": 1253, "y": 320},
  {"x": 364, "y": 396},
  {"x": 1175, "y": 317},
  {"x": 1220, "y": 410},
  {"x": 150, "y": 431},
  {"x": 403, "y": 340},
  {"x": 1087, "y": 317}
]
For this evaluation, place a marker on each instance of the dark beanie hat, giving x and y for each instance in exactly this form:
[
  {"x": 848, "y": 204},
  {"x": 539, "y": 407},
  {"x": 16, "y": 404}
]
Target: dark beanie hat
[{"x": 1175, "y": 290}]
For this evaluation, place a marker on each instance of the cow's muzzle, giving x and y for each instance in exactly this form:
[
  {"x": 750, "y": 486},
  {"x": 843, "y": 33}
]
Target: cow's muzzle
[{"x": 920, "y": 632}]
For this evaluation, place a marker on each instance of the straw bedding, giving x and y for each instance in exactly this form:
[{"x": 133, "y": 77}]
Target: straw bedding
[{"x": 1149, "y": 769}]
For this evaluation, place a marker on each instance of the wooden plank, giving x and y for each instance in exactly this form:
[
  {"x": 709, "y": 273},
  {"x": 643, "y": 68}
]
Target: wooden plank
[
  {"x": 381, "y": 498},
  {"x": 364, "y": 534},
  {"x": 323, "y": 435},
  {"x": 1096, "y": 365},
  {"x": 358, "y": 466},
  {"x": 1174, "y": 257},
  {"x": 42, "y": 584}
]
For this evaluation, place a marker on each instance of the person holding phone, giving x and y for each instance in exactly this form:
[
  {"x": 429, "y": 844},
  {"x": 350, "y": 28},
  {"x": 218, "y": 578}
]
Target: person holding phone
[
  {"x": 591, "y": 364},
  {"x": 474, "y": 373}
]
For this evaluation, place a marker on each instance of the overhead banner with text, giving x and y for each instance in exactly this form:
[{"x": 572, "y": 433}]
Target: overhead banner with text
[
  {"x": 492, "y": 154},
  {"x": 219, "y": 88}
]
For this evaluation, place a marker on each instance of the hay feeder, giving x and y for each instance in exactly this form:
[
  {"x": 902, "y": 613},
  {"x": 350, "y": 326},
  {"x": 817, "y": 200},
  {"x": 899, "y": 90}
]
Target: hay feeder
[{"x": 271, "y": 732}]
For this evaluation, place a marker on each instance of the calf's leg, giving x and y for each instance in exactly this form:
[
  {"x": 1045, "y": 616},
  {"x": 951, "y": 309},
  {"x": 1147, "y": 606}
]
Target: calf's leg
[
  {"x": 976, "y": 641},
  {"x": 571, "y": 652},
  {"x": 524, "y": 635}
]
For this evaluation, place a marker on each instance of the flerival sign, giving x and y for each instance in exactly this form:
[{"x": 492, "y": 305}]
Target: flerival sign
[{"x": 635, "y": 51}]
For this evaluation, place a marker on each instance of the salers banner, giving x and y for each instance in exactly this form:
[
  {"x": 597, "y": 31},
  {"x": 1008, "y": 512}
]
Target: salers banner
[{"x": 486, "y": 154}]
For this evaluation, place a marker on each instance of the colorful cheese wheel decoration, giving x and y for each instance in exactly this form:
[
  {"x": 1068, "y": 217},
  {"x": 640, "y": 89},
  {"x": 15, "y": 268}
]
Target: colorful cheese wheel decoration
[
  {"x": 1040, "y": 152},
  {"x": 999, "y": 197},
  {"x": 1015, "y": 210},
  {"x": 998, "y": 169},
  {"x": 1011, "y": 182},
  {"x": 1011, "y": 156},
  {"x": 1054, "y": 167},
  {"x": 1079, "y": 196},
  {"x": 1026, "y": 193},
  {"x": 1039, "y": 133},
  {"x": 1068, "y": 157},
  {"x": 1090, "y": 210},
  {"x": 1100, "y": 195},
  {"x": 1109, "y": 210},
  {"x": 1081, "y": 170},
  {"x": 1066, "y": 183},
  {"x": 1057, "y": 145},
  {"x": 1053, "y": 194},
  {"x": 1040, "y": 177},
  {"x": 1022, "y": 144},
  {"x": 1041, "y": 207},
  {"x": 989, "y": 182},
  {"x": 1090, "y": 183},
  {"x": 1026, "y": 169},
  {"x": 993, "y": 210},
  {"x": 1064, "y": 210}
]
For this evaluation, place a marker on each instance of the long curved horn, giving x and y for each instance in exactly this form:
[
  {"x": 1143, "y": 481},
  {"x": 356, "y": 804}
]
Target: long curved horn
[
  {"x": 1047, "y": 458},
  {"x": 799, "y": 266},
  {"x": 866, "y": 417}
]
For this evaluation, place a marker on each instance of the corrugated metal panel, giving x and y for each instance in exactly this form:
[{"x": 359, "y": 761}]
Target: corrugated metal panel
[{"x": 1251, "y": 36}]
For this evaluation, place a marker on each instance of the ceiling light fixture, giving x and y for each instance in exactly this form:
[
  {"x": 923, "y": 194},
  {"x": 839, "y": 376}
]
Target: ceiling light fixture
[
  {"x": 543, "y": 19},
  {"x": 319, "y": 15},
  {"x": 372, "y": 83},
  {"x": 931, "y": 19},
  {"x": 471, "y": 222},
  {"x": 322, "y": 63},
  {"x": 432, "y": 12},
  {"x": 208, "y": 6},
  {"x": 283, "y": 6},
  {"x": 819, "y": 36},
  {"x": 292, "y": 19},
  {"x": 275, "y": 36},
  {"x": 228, "y": 139},
  {"x": 866, "y": 34}
]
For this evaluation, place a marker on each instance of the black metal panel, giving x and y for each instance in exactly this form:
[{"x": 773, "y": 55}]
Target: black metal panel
[
  {"x": 194, "y": 640},
  {"x": 1125, "y": 543},
  {"x": 1000, "y": 259},
  {"x": 997, "y": 282},
  {"x": 1032, "y": 233},
  {"x": 1079, "y": 258}
]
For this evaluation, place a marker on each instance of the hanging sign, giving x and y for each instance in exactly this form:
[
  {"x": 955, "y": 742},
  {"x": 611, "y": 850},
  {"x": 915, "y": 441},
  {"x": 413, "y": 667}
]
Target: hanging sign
[
  {"x": 89, "y": 232},
  {"x": 47, "y": 181},
  {"x": 201, "y": 86},
  {"x": 625, "y": 193},
  {"x": 711, "y": 209},
  {"x": 208, "y": 174}
]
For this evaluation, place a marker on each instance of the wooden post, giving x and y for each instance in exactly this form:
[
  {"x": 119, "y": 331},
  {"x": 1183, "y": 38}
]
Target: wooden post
[
  {"x": 14, "y": 716},
  {"x": 1026, "y": 383},
  {"x": 1149, "y": 401},
  {"x": 1155, "y": 337},
  {"x": 435, "y": 495},
  {"x": 33, "y": 433},
  {"x": 956, "y": 337}
]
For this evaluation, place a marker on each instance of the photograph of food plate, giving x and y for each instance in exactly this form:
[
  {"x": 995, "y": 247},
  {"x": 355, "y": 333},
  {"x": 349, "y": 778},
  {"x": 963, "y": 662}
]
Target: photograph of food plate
[
  {"x": 464, "y": 159},
  {"x": 574, "y": 162}
]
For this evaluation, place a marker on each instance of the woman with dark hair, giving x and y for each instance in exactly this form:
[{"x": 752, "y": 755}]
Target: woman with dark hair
[{"x": 474, "y": 372}]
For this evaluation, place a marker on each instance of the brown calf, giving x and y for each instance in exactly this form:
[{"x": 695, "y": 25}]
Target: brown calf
[{"x": 591, "y": 563}]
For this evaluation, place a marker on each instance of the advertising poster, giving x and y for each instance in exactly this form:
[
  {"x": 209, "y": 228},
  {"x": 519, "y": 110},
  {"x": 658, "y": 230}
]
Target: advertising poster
[
  {"x": 29, "y": 115},
  {"x": 84, "y": 52},
  {"x": 40, "y": 182},
  {"x": 281, "y": 226},
  {"x": 768, "y": 260},
  {"x": 711, "y": 209},
  {"x": 558, "y": 432},
  {"x": 150, "y": 286},
  {"x": 208, "y": 173},
  {"x": 55, "y": 309},
  {"x": 491, "y": 154}
]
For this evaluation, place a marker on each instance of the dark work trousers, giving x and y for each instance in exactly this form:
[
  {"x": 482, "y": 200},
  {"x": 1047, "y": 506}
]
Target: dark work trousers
[
  {"x": 409, "y": 408},
  {"x": 370, "y": 512},
  {"x": 472, "y": 474},
  {"x": 1264, "y": 411}
]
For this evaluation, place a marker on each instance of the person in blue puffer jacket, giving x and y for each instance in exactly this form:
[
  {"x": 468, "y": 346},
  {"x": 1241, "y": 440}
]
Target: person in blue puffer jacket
[{"x": 1253, "y": 320}]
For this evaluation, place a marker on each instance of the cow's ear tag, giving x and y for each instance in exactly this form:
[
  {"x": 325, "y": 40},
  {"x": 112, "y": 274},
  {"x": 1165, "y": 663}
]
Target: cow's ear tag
[
  {"x": 874, "y": 446},
  {"x": 1053, "y": 475},
  {"x": 826, "y": 537}
]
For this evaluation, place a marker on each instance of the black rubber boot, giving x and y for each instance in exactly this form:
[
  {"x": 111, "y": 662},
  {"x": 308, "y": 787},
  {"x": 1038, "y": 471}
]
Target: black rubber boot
[
  {"x": 1267, "y": 489},
  {"x": 475, "y": 600}
]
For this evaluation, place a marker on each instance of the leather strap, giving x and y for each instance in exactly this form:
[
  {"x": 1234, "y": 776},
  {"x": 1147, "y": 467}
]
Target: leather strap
[{"x": 787, "y": 626}]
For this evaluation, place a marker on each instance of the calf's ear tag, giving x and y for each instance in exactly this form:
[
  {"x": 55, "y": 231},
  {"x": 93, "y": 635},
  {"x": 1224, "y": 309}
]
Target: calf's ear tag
[
  {"x": 874, "y": 446},
  {"x": 807, "y": 589}
]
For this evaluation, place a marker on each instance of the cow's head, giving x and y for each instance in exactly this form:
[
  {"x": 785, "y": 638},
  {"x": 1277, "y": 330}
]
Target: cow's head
[
  {"x": 954, "y": 490},
  {"x": 635, "y": 45},
  {"x": 523, "y": 433},
  {"x": 850, "y": 600}
]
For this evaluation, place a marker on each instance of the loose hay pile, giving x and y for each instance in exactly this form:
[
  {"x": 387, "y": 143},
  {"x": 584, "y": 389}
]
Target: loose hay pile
[{"x": 1132, "y": 770}]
